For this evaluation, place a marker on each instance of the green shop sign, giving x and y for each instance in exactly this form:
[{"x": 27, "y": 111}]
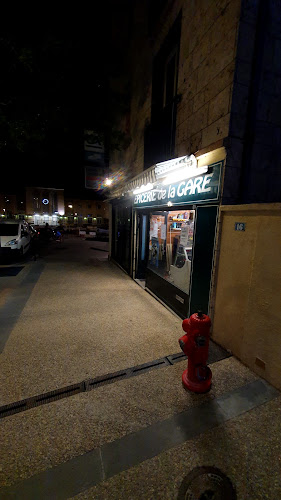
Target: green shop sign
[{"x": 196, "y": 189}]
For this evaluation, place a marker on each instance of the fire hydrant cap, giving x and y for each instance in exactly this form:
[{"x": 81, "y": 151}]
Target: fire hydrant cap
[{"x": 195, "y": 319}]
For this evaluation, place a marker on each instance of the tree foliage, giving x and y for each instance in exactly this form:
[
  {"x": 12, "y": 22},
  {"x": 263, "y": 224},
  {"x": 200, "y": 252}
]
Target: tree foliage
[{"x": 55, "y": 84}]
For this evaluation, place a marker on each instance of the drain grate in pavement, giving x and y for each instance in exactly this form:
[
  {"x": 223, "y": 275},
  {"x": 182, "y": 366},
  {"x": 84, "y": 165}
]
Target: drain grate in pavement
[
  {"x": 175, "y": 358},
  {"x": 88, "y": 385},
  {"x": 206, "y": 483},
  {"x": 106, "y": 379},
  {"x": 39, "y": 400},
  {"x": 59, "y": 394},
  {"x": 158, "y": 363},
  {"x": 10, "y": 271},
  {"x": 100, "y": 249}
]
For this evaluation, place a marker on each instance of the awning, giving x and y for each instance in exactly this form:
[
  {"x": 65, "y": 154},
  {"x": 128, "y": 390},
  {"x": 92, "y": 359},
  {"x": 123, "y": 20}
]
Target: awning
[{"x": 145, "y": 177}]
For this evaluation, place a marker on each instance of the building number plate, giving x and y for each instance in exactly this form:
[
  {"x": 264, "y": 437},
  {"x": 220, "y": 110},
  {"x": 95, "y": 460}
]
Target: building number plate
[{"x": 240, "y": 226}]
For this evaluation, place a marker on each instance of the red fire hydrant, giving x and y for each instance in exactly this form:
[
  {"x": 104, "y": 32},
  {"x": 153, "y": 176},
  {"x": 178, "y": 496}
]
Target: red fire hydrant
[{"x": 195, "y": 344}]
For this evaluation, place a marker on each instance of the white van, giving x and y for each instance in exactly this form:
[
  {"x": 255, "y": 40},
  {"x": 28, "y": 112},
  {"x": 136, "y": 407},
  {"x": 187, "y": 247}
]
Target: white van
[{"x": 15, "y": 237}]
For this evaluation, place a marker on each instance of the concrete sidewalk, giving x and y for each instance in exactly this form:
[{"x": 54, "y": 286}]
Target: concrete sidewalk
[
  {"x": 84, "y": 317},
  {"x": 137, "y": 438}
]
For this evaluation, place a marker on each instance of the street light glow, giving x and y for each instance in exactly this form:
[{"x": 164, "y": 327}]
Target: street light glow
[{"x": 108, "y": 182}]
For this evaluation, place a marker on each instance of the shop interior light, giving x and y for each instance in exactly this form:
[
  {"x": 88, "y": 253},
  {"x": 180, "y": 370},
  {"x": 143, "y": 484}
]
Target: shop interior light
[
  {"x": 185, "y": 173},
  {"x": 143, "y": 188}
]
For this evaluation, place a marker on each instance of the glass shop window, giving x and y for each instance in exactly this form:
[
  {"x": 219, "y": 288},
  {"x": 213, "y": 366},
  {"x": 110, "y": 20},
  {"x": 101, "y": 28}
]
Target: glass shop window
[{"x": 170, "y": 246}]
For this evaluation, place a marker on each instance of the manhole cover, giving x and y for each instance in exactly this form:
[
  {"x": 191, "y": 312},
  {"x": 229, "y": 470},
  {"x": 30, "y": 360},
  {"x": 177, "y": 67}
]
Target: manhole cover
[{"x": 206, "y": 483}]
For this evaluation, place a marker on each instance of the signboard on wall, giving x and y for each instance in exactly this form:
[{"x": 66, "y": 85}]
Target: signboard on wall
[
  {"x": 94, "y": 176},
  {"x": 93, "y": 150},
  {"x": 201, "y": 188}
]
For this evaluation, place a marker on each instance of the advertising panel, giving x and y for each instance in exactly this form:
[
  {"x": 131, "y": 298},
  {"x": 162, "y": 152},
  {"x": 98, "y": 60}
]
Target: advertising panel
[{"x": 94, "y": 177}]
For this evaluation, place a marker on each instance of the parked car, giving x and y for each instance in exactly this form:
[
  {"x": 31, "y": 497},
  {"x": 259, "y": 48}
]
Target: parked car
[
  {"x": 45, "y": 233},
  {"x": 15, "y": 237},
  {"x": 102, "y": 232}
]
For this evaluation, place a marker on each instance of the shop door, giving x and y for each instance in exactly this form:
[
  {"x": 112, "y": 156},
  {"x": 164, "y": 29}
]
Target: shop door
[
  {"x": 206, "y": 222},
  {"x": 121, "y": 248},
  {"x": 142, "y": 245}
]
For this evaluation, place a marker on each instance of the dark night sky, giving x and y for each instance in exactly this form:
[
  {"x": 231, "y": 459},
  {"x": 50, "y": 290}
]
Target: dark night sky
[{"x": 57, "y": 72}]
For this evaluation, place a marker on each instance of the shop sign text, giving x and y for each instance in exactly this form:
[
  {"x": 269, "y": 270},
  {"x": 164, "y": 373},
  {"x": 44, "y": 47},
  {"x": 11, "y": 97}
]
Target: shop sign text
[{"x": 201, "y": 188}]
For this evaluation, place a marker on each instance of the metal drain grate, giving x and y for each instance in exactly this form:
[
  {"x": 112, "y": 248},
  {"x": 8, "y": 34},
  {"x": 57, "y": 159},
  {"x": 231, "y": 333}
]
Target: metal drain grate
[
  {"x": 88, "y": 385},
  {"x": 41, "y": 399},
  {"x": 99, "y": 249},
  {"x": 206, "y": 483},
  {"x": 105, "y": 379},
  {"x": 175, "y": 358}
]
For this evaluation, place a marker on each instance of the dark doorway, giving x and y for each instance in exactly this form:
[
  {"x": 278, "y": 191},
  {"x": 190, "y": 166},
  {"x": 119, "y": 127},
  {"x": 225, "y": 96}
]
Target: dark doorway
[
  {"x": 142, "y": 245},
  {"x": 121, "y": 244}
]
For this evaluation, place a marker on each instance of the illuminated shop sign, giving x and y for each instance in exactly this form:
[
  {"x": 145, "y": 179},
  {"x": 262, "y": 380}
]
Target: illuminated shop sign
[
  {"x": 196, "y": 189},
  {"x": 166, "y": 167}
]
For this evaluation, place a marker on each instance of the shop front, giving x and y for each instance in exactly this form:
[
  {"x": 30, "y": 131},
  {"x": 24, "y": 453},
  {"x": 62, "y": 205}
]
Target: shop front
[{"x": 175, "y": 221}]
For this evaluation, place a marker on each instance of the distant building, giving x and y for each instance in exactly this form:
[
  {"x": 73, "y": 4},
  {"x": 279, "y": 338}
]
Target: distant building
[
  {"x": 8, "y": 205},
  {"x": 44, "y": 205},
  {"x": 91, "y": 212},
  {"x": 40, "y": 205}
]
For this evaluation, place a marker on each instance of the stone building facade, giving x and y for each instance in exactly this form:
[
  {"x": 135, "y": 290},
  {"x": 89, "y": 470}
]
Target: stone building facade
[
  {"x": 204, "y": 79},
  {"x": 206, "y": 55}
]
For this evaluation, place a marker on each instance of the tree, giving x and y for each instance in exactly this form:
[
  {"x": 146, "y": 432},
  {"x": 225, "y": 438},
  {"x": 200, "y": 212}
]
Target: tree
[{"x": 56, "y": 84}]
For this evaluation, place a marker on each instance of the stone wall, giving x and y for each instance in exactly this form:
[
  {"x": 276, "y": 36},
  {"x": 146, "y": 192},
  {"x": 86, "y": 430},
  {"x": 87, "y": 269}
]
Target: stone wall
[
  {"x": 205, "y": 77},
  {"x": 247, "y": 315},
  {"x": 206, "y": 72},
  {"x": 253, "y": 166}
]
